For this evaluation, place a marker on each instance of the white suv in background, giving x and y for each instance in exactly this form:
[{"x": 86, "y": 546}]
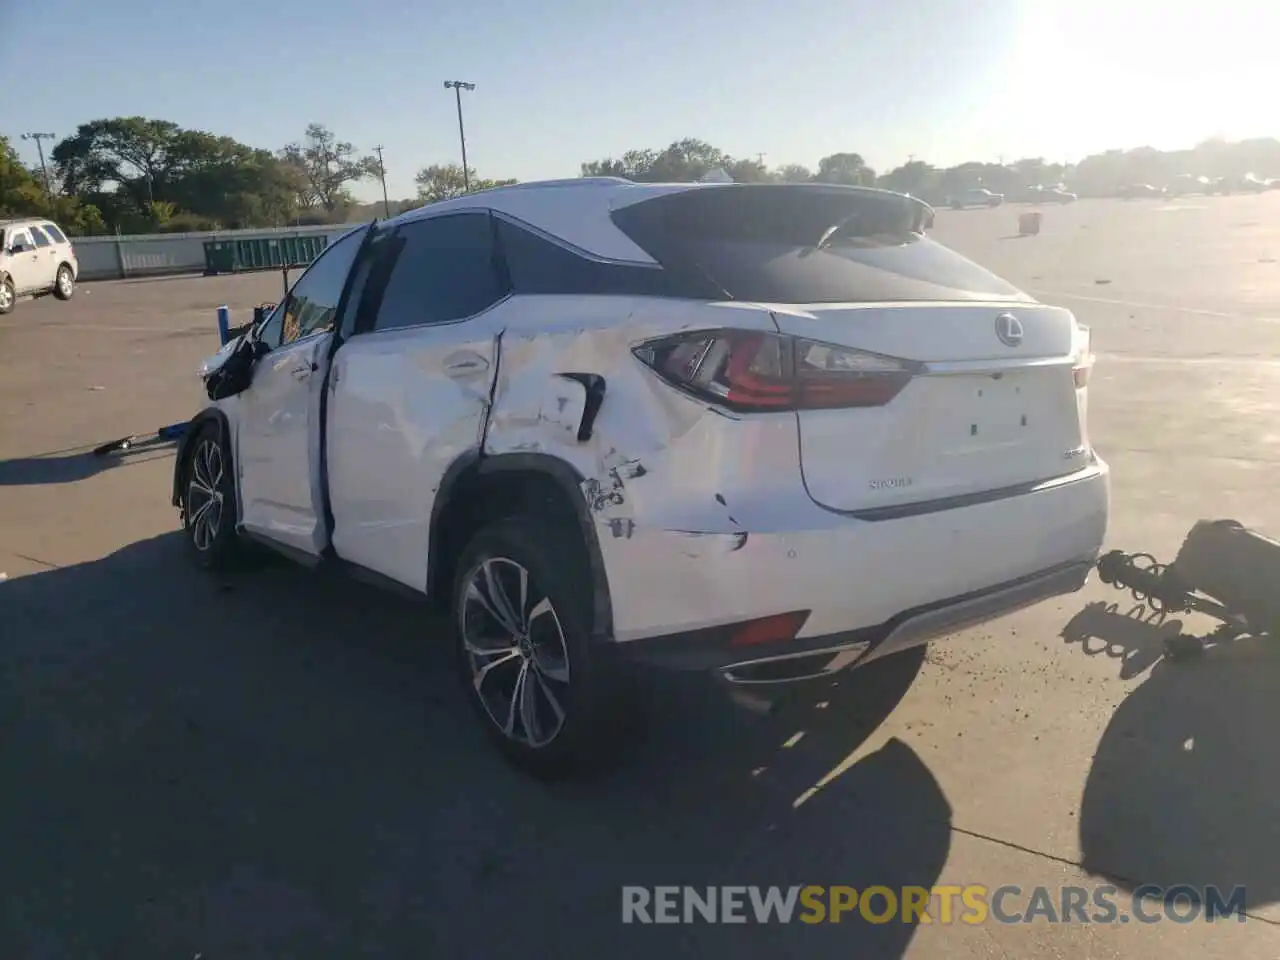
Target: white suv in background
[
  {"x": 35, "y": 258},
  {"x": 765, "y": 431}
]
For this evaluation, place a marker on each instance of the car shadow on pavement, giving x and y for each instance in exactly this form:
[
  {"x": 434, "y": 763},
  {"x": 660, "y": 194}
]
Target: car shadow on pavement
[
  {"x": 1184, "y": 788},
  {"x": 265, "y": 765}
]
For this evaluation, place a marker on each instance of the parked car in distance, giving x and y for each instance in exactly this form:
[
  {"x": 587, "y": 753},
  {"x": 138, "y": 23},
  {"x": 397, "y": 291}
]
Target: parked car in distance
[
  {"x": 36, "y": 258},
  {"x": 1185, "y": 184},
  {"x": 1050, "y": 194},
  {"x": 1250, "y": 183},
  {"x": 977, "y": 197},
  {"x": 765, "y": 431},
  {"x": 1142, "y": 191}
]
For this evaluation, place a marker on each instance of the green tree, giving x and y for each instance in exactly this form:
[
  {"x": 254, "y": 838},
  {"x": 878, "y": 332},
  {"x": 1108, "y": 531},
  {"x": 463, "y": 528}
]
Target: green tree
[
  {"x": 445, "y": 181},
  {"x": 845, "y": 168},
  {"x": 22, "y": 194},
  {"x": 794, "y": 173},
  {"x": 324, "y": 167},
  {"x": 133, "y": 155},
  {"x": 683, "y": 161},
  {"x": 914, "y": 177}
]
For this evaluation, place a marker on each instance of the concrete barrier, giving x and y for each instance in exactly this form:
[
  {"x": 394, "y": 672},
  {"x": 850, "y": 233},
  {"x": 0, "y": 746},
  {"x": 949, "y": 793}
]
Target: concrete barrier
[{"x": 144, "y": 255}]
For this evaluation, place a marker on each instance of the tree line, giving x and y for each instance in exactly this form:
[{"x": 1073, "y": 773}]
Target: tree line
[{"x": 139, "y": 175}]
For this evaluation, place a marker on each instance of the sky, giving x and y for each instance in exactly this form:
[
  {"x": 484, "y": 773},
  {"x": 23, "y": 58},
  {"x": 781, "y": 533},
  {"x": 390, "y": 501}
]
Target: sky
[{"x": 563, "y": 81}]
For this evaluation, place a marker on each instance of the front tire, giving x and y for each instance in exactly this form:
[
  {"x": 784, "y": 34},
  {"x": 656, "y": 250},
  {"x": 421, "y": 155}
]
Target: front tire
[
  {"x": 64, "y": 287},
  {"x": 8, "y": 296},
  {"x": 209, "y": 502},
  {"x": 522, "y": 624}
]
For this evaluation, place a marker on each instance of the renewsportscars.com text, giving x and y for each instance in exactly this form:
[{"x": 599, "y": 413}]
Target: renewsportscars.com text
[{"x": 971, "y": 904}]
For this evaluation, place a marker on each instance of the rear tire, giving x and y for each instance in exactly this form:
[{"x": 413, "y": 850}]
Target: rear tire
[
  {"x": 525, "y": 657},
  {"x": 209, "y": 502},
  {"x": 8, "y": 296},
  {"x": 64, "y": 287}
]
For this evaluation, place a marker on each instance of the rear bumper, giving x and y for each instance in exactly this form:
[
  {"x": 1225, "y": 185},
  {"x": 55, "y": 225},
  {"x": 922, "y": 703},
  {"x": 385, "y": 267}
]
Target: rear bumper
[
  {"x": 814, "y": 657},
  {"x": 871, "y": 587}
]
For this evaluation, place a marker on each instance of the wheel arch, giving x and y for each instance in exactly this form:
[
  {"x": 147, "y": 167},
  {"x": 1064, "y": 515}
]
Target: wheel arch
[
  {"x": 479, "y": 488},
  {"x": 194, "y": 426}
]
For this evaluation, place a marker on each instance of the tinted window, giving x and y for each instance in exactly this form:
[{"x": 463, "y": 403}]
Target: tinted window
[
  {"x": 537, "y": 264},
  {"x": 445, "y": 269},
  {"x": 312, "y": 304},
  {"x": 766, "y": 243},
  {"x": 54, "y": 233},
  {"x": 38, "y": 236},
  {"x": 18, "y": 238}
]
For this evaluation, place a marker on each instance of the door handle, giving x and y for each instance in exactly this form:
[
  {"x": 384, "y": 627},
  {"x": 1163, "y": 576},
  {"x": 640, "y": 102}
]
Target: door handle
[{"x": 303, "y": 371}]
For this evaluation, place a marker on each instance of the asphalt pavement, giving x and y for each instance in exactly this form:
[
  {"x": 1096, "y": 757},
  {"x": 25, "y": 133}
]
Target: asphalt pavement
[{"x": 271, "y": 766}]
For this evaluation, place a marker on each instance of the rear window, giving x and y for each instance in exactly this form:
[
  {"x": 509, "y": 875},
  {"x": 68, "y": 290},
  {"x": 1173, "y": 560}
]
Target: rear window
[
  {"x": 55, "y": 233},
  {"x": 766, "y": 243}
]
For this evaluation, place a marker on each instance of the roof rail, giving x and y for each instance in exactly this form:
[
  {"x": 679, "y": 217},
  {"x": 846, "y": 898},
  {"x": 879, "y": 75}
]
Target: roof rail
[{"x": 569, "y": 182}]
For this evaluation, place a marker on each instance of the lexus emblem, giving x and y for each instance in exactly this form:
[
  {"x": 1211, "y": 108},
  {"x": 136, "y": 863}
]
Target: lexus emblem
[{"x": 1009, "y": 329}]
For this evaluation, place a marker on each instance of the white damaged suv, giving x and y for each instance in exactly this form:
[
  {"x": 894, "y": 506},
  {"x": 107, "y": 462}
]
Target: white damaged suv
[{"x": 765, "y": 431}]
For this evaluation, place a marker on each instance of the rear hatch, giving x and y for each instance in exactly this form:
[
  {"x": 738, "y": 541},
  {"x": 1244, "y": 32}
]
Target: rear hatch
[
  {"x": 985, "y": 384},
  {"x": 977, "y": 415}
]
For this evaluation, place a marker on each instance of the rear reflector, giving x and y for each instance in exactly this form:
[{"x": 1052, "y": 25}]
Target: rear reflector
[
  {"x": 751, "y": 371},
  {"x": 780, "y": 627}
]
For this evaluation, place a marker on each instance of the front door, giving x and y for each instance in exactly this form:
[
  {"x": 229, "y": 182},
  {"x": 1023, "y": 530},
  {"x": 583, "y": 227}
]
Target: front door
[
  {"x": 278, "y": 437},
  {"x": 22, "y": 262}
]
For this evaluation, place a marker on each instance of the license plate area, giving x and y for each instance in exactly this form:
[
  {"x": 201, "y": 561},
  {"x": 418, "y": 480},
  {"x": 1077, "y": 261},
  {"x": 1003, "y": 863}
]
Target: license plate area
[{"x": 993, "y": 410}]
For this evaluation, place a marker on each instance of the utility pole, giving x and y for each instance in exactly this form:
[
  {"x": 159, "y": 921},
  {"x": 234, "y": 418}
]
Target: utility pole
[
  {"x": 44, "y": 170},
  {"x": 760, "y": 159},
  {"x": 382, "y": 175},
  {"x": 457, "y": 86}
]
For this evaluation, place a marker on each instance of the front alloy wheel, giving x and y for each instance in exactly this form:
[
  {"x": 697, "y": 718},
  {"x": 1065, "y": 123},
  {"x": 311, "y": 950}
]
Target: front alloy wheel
[
  {"x": 516, "y": 652},
  {"x": 65, "y": 285},
  {"x": 204, "y": 494}
]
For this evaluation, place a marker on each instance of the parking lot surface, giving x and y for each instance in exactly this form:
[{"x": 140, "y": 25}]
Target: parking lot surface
[{"x": 266, "y": 765}]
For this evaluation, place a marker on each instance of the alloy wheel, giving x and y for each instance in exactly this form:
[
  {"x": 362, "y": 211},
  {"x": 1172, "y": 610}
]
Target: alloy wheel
[
  {"x": 6, "y": 296},
  {"x": 204, "y": 494},
  {"x": 64, "y": 282},
  {"x": 516, "y": 652}
]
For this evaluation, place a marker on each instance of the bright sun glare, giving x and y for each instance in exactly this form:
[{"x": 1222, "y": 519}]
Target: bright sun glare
[{"x": 1091, "y": 75}]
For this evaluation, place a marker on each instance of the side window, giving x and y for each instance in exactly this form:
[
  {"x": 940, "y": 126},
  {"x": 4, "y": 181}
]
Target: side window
[
  {"x": 20, "y": 239},
  {"x": 312, "y": 304},
  {"x": 56, "y": 235},
  {"x": 445, "y": 270},
  {"x": 39, "y": 237}
]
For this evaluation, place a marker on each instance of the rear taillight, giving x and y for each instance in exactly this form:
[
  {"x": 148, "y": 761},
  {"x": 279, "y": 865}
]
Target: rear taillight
[
  {"x": 1084, "y": 361},
  {"x": 750, "y": 371}
]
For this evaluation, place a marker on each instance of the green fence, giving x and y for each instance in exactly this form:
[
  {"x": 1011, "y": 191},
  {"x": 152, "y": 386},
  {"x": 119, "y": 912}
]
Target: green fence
[{"x": 261, "y": 253}]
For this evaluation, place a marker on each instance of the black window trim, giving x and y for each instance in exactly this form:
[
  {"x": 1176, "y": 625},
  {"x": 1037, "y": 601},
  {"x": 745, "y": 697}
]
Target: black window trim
[{"x": 365, "y": 324}]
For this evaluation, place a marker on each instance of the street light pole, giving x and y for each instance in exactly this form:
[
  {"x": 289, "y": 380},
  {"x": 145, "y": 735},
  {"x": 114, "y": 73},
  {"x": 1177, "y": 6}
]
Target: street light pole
[
  {"x": 382, "y": 175},
  {"x": 458, "y": 86},
  {"x": 44, "y": 170}
]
